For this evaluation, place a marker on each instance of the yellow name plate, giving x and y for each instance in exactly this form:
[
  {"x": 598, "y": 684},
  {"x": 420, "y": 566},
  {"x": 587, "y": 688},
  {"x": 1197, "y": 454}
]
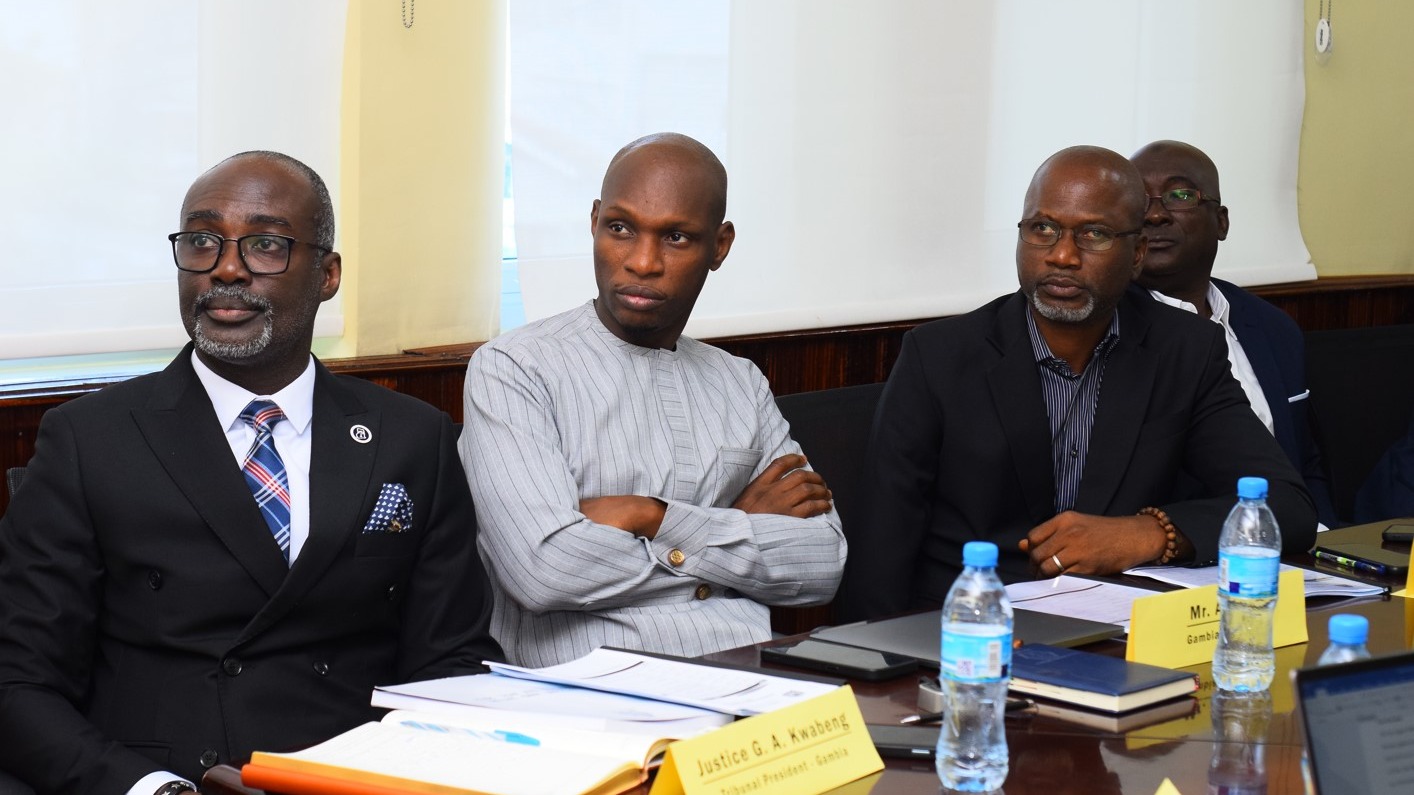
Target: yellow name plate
[
  {"x": 808, "y": 748},
  {"x": 1408, "y": 590},
  {"x": 1166, "y": 787},
  {"x": 1180, "y": 628}
]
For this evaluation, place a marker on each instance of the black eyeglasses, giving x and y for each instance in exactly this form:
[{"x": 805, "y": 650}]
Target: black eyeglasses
[
  {"x": 198, "y": 252},
  {"x": 1183, "y": 199},
  {"x": 1088, "y": 237}
]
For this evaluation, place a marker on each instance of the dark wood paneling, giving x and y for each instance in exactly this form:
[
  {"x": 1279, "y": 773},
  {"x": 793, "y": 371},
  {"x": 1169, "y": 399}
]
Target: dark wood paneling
[
  {"x": 1342, "y": 302},
  {"x": 793, "y": 361}
]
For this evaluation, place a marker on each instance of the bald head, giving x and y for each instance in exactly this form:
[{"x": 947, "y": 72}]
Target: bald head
[
  {"x": 1195, "y": 164},
  {"x": 658, "y": 231},
  {"x": 1184, "y": 222},
  {"x": 1102, "y": 171},
  {"x": 1087, "y": 203},
  {"x": 703, "y": 173}
]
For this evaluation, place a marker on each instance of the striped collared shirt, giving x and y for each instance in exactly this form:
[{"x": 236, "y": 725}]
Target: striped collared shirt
[
  {"x": 1071, "y": 400},
  {"x": 561, "y": 410}
]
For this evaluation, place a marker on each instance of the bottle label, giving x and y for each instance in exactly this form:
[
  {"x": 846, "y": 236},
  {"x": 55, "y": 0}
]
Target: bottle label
[
  {"x": 973, "y": 653},
  {"x": 1248, "y": 575}
]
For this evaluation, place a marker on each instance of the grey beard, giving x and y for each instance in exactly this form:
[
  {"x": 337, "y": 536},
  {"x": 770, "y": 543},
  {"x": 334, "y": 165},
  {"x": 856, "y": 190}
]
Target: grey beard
[
  {"x": 1056, "y": 314},
  {"x": 230, "y": 351}
]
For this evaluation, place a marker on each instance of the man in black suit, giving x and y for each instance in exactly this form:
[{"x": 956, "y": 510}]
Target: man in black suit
[
  {"x": 1060, "y": 421},
  {"x": 176, "y": 594},
  {"x": 1183, "y": 224}
]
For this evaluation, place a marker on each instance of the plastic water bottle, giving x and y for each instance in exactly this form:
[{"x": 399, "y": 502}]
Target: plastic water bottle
[
  {"x": 1348, "y": 634},
  {"x": 1248, "y": 562},
  {"x": 976, "y": 668}
]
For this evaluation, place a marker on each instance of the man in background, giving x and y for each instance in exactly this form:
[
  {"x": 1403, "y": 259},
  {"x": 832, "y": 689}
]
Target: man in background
[
  {"x": 230, "y": 554},
  {"x": 1061, "y": 422},
  {"x": 1183, "y": 224},
  {"x": 636, "y": 487}
]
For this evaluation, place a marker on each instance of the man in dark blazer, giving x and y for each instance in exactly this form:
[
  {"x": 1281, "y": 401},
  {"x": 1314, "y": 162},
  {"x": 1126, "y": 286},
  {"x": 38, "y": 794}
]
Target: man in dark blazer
[
  {"x": 1183, "y": 224},
  {"x": 154, "y": 622},
  {"x": 1059, "y": 422}
]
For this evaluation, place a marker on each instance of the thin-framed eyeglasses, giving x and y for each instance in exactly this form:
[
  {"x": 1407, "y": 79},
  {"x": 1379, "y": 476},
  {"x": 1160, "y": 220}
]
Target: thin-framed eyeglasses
[
  {"x": 1088, "y": 237},
  {"x": 1183, "y": 199},
  {"x": 198, "y": 252}
]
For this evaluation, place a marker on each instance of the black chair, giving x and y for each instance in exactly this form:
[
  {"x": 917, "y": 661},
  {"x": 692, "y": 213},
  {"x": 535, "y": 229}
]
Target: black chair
[
  {"x": 1362, "y": 394},
  {"x": 13, "y": 476},
  {"x": 832, "y": 427}
]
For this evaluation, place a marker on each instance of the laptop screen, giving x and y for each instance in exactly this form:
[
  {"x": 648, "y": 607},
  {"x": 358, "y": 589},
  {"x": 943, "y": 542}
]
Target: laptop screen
[{"x": 1359, "y": 723}]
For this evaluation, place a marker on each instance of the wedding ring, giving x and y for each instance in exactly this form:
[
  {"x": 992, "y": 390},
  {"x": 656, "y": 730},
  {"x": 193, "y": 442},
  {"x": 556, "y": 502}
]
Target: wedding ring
[{"x": 1059, "y": 567}]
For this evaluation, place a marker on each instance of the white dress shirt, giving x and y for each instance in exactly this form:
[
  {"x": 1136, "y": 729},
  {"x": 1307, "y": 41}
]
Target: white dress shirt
[{"x": 1241, "y": 366}]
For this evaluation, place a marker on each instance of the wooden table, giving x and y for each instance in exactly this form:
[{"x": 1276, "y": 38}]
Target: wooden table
[{"x": 1053, "y": 757}]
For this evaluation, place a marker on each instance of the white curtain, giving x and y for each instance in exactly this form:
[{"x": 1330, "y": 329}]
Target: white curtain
[
  {"x": 878, "y": 151},
  {"x": 110, "y": 111}
]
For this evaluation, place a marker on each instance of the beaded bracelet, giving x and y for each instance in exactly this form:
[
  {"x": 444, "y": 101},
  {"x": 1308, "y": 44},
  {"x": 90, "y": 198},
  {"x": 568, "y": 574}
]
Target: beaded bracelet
[{"x": 1171, "y": 549}]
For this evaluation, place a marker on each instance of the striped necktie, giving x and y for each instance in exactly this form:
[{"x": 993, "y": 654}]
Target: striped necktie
[{"x": 265, "y": 472}]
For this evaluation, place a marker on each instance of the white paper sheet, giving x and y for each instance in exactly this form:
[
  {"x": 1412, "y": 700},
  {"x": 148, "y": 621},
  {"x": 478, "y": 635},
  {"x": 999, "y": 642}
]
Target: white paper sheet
[
  {"x": 1317, "y": 583},
  {"x": 1074, "y": 596},
  {"x": 724, "y": 690}
]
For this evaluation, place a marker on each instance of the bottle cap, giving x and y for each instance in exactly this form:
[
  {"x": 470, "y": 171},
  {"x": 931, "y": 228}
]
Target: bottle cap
[
  {"x": 1252, "y": 488},
  {"x": 979, "y": 554},
  {"x": 1349, "y": 629}
]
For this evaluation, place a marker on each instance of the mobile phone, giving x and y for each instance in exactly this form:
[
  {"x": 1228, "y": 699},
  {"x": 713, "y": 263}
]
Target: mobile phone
[
  {"x": 908, "y": 742},
  {"x": 847, "y": 661},
  {"x": 1364, "y": 557},
  {"x": 1399, "y": 533}
]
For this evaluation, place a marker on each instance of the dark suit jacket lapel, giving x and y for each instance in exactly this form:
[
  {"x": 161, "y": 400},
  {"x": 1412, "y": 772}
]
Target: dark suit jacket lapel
[
  {"x": 1258, "y": 349},
  {"x": 181, "y": 428},
  {"x": 1124, "y": 402},
  {"x": 1021, "y": 409},
  {"x": 339, "y": 473}
]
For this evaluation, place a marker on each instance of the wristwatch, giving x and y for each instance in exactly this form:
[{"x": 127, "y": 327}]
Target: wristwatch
[{"x": 174, "y": 788}]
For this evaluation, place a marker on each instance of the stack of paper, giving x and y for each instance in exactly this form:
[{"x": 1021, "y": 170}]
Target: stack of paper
[
  {"x": 727, "y": 690},
  {"x": 524, "y": 700}
]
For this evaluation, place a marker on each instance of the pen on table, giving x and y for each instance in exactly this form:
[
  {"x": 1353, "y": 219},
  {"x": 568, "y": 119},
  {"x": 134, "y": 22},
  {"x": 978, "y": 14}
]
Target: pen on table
[
  {"x": 1012, "y": 705},
  {"x": 1350, "y": 563}
]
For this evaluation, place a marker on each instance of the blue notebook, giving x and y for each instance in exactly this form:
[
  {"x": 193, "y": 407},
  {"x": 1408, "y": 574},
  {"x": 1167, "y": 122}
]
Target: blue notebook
[{"x": 1097, "y": 681}]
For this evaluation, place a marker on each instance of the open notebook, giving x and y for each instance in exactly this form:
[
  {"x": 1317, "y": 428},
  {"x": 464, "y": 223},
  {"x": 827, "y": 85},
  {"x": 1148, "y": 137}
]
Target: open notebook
[{"x": 1358, "y": 719}]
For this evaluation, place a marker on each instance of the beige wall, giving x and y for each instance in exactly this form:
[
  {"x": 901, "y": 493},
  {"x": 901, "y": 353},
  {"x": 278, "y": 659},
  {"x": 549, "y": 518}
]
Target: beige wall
[
  {"x": 1357, "y": 140},
  {"x": 421, "y": 164}
]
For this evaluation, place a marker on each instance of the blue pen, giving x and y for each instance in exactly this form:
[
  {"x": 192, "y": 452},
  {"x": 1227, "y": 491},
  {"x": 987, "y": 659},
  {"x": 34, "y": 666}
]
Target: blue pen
[
  {"x": 1358, "y": 565},
  {"x": 498, "y": 734}
]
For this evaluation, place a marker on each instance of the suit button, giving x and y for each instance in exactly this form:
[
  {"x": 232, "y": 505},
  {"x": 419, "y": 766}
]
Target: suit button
[
  {"x": 392, "y": 593},
  {"x": 703, "y": 591},
  {"x": 321, "y": 668},
  {"x": 154, "y": 580},
  {"x": 209, "y": 758},
  {"x": 231, "y": 666},
  {"x": 676, "y": 557}
]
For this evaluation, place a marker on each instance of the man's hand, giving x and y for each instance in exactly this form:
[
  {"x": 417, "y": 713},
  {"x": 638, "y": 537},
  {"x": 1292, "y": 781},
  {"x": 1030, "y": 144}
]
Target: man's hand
[
  {"x": 641, "y": 516},
  {"x": 786, "y": 489},
  {"x": 1086, "y": 544}
]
